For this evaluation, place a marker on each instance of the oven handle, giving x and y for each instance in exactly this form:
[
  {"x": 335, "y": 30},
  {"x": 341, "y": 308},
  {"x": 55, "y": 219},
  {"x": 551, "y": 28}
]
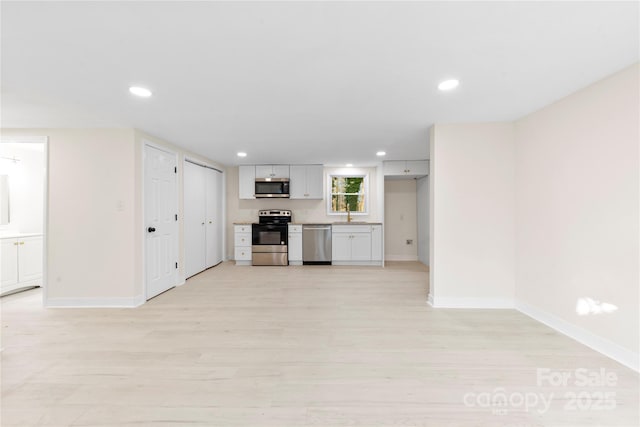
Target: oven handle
[{"x": 270, "y": 226}]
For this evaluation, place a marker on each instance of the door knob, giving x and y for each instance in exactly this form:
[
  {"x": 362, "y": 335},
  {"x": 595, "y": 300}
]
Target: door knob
[{"x": 151, "y": 229}]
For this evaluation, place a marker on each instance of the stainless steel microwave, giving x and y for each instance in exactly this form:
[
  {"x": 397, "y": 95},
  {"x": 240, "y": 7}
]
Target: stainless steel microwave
[{"x": 272, "y": 187}]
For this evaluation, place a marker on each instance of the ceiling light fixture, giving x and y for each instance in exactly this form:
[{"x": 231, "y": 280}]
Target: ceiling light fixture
[
  {"x": 242, "y": 154},
  {"x": 448, "y": 84},
  {"x": 349, "y": 165},
  {"x": 381, "y": 153},
  {"x": 140, "y": 91}
]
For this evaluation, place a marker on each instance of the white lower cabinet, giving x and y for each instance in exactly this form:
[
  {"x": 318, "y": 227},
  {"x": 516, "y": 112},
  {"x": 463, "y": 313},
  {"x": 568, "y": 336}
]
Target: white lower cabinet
[
  {"x": 376, "y": 242},
  {"x": 295, "y": 244},
  {"x": 21, "y": 262},
  {"x": 356, "y": 244},
  {"x": 242, "y": 244}
]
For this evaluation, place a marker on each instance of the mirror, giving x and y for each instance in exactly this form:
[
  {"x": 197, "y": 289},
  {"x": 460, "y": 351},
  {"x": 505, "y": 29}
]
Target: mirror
[{"x": 4, "y": 200}]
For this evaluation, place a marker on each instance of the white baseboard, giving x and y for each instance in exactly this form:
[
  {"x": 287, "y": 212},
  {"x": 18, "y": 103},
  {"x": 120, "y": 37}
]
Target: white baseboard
[
  {"x": 430, "y": 299},
  {"x": 400, "y": 258},
  {"x": 471, "y": 302},
  {"x": 359, "y": 263},
  {"x": 95, "y": 302},
  {"x": 612, "y": 350}
]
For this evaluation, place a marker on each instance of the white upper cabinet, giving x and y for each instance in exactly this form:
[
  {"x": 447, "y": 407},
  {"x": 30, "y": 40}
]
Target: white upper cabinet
[
  {"x": 306, "y": 182},
  {"x": 406, "y": 168},
  {"x": 272, "y": 171},
  {"x": 247, "y": 182}
]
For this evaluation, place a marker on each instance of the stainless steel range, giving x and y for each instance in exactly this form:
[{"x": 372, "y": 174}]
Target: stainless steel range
[{"x": 269, "y": 238}]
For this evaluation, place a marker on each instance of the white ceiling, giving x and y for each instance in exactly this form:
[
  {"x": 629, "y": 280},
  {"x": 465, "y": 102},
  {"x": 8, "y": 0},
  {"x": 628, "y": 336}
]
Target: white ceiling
[{"x": 302, "y": 82}]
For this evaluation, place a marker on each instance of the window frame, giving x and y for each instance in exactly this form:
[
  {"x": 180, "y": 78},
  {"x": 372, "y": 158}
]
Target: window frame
[{"x": 330, "y": 193}]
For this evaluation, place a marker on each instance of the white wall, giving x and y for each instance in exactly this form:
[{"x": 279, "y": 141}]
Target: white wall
[
  {"x": 90, "y": 224},
  {"x": 400, "y": 216},
  {"x": 577, "y": 210},
  {"x": 422, "y": 208},
  {"x": 472, "y": 211},
  {"x": 26, "y": 185},
  {"x": 306, "y": 211}
]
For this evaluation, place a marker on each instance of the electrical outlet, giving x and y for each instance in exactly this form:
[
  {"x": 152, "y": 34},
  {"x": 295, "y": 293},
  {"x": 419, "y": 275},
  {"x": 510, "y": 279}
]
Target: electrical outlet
[{"x": 409, "y": 241}]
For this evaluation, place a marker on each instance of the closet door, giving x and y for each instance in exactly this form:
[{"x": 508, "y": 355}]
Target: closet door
[
  {"x": 194, "y": 218},
  {"x": 214, "y": 216}
]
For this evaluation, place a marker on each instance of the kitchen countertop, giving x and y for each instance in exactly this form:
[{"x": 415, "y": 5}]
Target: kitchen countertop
[{"x": 16, "y": 234}]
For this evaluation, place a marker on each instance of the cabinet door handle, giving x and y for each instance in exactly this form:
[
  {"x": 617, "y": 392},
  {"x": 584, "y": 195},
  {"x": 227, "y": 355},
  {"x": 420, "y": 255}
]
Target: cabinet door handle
[
  {"x": 22, "y": 243},
  {"x": 16, "y": 243}
]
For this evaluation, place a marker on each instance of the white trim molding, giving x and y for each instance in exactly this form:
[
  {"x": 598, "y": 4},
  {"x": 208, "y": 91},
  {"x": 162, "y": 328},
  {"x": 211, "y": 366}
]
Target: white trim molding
[
  {"x": 123, "y": 302},
  {"x": 612, "y": 350},
  {"x": 471, "y": 302}
]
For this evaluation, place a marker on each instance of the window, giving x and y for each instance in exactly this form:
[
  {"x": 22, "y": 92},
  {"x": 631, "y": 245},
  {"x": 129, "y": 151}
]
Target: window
[{"x": 348, "y": 192}]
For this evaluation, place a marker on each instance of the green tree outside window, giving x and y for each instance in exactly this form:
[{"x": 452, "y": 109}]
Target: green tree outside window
[{"x": 348, "y": 193}]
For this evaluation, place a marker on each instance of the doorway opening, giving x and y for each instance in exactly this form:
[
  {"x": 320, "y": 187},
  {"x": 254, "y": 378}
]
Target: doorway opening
[{"x": 23, "y": 212}]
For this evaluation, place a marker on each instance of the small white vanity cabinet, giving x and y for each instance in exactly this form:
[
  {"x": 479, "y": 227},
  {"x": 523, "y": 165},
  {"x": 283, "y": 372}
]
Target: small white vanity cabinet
[{"x": 21, "y": 261}]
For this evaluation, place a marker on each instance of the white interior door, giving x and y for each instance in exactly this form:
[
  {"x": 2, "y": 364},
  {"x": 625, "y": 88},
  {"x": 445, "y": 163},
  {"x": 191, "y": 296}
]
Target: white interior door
[
  {"x": 194, "y": 218},
  {"x": 161, "y": 209},
  {"x": 213, "y": 217}
]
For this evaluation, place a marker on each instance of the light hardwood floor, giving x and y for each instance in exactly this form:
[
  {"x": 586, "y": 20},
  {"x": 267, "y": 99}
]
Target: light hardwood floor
[{"x": 297, "y": 346}]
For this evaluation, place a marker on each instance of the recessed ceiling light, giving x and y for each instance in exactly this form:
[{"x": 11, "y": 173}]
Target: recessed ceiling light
[
  {"x": 381, "y": 153},
  {"x": 242, "y": 154},
  {"x": 140, "y": 91},
  {"x": 349, "y": 165},
  {"x": 448, "y": 84}
]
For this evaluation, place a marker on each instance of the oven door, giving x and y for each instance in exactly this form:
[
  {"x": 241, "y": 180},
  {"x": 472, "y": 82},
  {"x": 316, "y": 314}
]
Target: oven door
[
  {"x": 269, "y": 244},
  {"x": 269, "y": 234}
]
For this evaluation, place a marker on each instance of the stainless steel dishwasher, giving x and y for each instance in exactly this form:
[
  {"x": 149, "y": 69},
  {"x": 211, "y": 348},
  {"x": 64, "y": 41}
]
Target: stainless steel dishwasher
[{"x": 316, "y": 244}]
